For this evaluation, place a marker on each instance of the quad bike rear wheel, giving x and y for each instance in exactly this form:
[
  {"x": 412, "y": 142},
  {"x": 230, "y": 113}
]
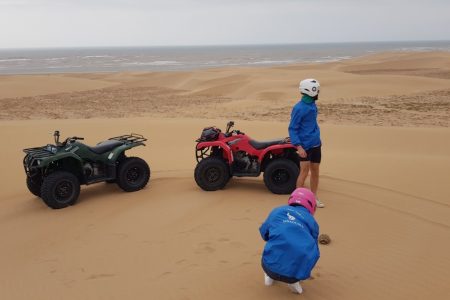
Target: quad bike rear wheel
[
  {"x": 34, "y": 186},
  {"x": 212, "y": 174},
  {"x": 133, "y": 174},
  {"x": 60, "y": 189},
  {"x": 280, "y": 176}
]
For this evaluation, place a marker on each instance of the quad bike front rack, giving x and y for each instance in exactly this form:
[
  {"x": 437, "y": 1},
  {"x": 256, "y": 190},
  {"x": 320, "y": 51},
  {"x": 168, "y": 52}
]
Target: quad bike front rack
[
  {"x": 202, "y": 153},
  {"x": 38, "y": 152}
]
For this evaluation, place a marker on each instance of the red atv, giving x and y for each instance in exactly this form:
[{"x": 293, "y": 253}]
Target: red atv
[{"x": 223, "y": 155}]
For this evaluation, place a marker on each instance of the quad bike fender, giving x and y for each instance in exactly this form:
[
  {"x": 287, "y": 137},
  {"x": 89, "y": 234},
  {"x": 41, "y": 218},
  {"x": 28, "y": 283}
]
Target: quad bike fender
[
  {"x": 113, "y": 155},
  {"x": 277, "y": 150},
  {"x": 62, "y": 161},
  {"x": 46, "y": 162},
  {"x": 224, "y": 146}
]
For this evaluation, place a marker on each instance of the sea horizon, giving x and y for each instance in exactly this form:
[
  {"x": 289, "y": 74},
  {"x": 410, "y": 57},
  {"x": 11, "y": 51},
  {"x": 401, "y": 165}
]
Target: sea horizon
[{"x": 191, "y": 57}]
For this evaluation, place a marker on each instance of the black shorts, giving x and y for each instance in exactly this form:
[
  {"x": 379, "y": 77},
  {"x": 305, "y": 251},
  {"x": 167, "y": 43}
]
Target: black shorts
[
  {"x": 278, "y": 277},
  {"x": 313, "y": 155}
]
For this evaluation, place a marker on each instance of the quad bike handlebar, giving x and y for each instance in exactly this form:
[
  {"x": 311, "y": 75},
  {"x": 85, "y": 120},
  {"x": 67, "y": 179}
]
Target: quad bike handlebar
[
  {"x": 232, "y": 132},
  {"x": 73, "y": 139},
  {"x": 229, "y": 133},
  {"x": 56, "y": 135},
  {"x": 230, "y": 124}
]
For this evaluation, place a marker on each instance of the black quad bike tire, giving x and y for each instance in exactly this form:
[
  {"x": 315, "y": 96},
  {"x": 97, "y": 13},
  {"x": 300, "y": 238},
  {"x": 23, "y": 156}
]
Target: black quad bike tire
[
  {"x": 212, "y": 174},
  {"x": 34, "y": 187},
  {"x": 280, "y": 176},
  {"x": 133, "y": 174},
  {"x": 60, "y": 189}
]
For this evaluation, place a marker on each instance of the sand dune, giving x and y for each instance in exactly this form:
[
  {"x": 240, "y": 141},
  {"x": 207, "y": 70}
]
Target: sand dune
[
  {"x": 393, "y": 89},
  {"x": 387, "y": 211},
  {"x": 13, "y": 86},
  {"x": 436, "y": 64}
]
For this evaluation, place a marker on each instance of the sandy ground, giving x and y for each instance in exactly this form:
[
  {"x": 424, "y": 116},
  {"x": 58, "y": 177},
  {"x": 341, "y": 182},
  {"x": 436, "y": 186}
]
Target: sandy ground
[{"x": 386, "y": 189}]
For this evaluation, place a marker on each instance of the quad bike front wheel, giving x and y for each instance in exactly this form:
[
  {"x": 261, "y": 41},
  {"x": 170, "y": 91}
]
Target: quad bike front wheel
[
  {"x": 60, "y": 189},
  {"x": 212, "y": 174},
  {"x": 133, "y": 174},
  {"x": 280, "y": 176},
  {"x": 34, "y": 186}
]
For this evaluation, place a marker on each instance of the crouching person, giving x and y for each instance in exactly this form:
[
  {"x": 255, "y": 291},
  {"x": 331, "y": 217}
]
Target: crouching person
[{"x": 291, "y": 249}]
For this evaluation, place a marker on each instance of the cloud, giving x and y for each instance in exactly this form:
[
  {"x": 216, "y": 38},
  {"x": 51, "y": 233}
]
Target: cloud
[{"x": 175, "y": 22}]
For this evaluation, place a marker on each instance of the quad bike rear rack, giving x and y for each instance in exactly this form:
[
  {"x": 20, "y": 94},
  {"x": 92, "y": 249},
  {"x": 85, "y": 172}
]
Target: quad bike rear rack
[{"x": 130, "y": 138}]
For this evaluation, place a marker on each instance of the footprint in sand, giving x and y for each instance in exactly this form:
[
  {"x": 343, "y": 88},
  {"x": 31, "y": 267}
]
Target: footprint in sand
[
  {"x": 234, "y": 244},
  {"x": 196, "y": 229},
  {"x": 99, "y": 276},
  {"x": 205, "y": 248},
  {"x": 241, "y": 219},
  {"x": 165, "y": 274},
  {"x": 237, "y": 244},
  {"x": 121, "y": 235}
]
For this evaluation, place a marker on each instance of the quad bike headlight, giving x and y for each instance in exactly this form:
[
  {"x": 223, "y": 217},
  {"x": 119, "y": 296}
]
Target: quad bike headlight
[{"x": 52, "y": 149}]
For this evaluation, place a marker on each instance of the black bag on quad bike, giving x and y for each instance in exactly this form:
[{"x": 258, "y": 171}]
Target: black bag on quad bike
[{"x": 209, "y": 134}]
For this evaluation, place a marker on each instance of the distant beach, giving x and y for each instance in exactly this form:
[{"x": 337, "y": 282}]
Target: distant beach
[{"x": 119, "y": 59}]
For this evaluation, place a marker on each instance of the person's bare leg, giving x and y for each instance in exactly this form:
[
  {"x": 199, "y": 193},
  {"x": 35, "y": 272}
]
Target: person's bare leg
[
  {"x": 304, "y": 170},
  {"x": 314, "y": 180}
]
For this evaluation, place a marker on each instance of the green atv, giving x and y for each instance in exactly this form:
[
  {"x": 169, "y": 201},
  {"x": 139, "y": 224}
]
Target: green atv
[{"x": 55, "y": 172}]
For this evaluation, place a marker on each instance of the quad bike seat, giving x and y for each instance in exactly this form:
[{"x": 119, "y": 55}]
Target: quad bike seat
[
  {"x": 105, "y": 146},
  {"x": 265, "y": 144}
]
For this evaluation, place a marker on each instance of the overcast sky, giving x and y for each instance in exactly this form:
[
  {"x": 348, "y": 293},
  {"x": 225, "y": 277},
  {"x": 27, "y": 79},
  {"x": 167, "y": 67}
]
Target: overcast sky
[{"x": 65, "y": 23}]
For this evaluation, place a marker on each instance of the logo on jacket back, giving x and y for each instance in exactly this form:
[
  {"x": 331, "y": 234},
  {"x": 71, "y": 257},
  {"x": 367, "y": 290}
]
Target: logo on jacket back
[
  {"x": 292, "y": 220},
  {"x": 290, "y": 217}
]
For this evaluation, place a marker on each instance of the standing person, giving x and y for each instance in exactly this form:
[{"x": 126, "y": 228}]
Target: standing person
[
  {"x": 292, "y": 249},
  {"x": 304, "y": 133}
]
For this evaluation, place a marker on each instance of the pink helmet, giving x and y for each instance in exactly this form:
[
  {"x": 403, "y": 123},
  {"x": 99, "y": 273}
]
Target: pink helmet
[{"x": 305, "y": 198}]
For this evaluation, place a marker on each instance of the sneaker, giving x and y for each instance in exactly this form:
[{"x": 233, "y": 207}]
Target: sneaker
[
  {"x": 319, "y": 203},
  {"x": 296, "y": 288},
  {"x": 267, "y": 280}
]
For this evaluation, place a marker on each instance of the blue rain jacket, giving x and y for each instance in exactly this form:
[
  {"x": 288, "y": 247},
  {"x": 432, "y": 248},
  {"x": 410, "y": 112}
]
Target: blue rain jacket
[
  {"x": 292, "y": 248},
  {"x": 303, "y": 128}
]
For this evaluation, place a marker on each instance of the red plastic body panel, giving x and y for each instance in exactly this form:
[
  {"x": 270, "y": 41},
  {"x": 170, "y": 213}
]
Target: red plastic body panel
[
  {"x": 226, "y": 149},
  {"x": 241, "y": 142}
]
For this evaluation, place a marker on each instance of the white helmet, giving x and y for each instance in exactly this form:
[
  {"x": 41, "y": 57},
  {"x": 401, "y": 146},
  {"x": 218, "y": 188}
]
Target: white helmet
[{"x": 309, "y": 87}]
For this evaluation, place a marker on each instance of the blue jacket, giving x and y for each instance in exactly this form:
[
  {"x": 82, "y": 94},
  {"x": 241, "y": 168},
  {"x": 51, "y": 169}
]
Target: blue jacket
[
  {"x": 292, "y": 248},
  {"x": 303, "y": 128}
]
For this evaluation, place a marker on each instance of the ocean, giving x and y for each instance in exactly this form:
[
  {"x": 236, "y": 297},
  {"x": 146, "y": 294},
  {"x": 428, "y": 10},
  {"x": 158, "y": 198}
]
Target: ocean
[{"x": 113, "y": 59}]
